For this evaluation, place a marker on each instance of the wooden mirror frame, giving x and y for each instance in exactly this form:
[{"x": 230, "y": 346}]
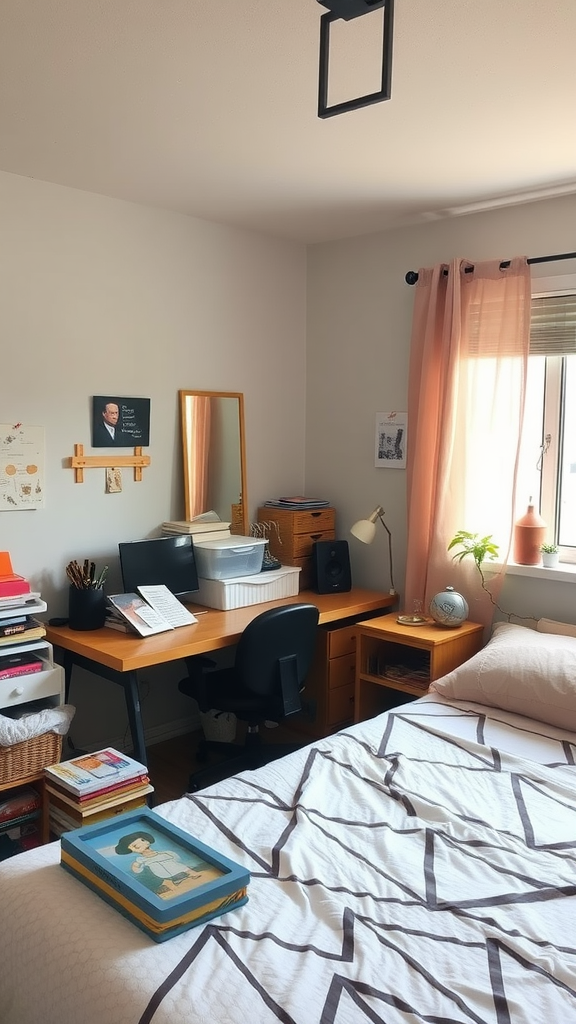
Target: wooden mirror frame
[{"x": 194, "y": 418}]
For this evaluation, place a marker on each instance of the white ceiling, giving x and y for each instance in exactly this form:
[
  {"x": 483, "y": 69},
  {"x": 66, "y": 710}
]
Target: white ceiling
[{"x": 209, "y": 107}]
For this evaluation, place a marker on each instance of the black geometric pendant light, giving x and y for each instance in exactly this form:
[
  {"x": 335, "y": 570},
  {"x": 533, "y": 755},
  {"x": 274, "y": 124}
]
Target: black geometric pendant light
[{"x": 347, "y": 10}]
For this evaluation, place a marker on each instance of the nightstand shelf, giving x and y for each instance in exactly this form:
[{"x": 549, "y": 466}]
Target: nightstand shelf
[{"x": 394, "y": 658}]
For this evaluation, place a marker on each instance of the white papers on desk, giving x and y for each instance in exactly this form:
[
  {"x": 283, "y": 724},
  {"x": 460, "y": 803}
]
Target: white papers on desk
[
  {"x": 167, "y": 606},
  {"x": 139, "y": 615}
]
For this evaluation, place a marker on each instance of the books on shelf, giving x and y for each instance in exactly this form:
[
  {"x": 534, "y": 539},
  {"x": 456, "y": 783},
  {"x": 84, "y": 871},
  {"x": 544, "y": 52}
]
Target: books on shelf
[
  {"x": 26, "y": 604},
  {"x": 30, "y": 629},
  {"x": 19, "y": 663},
  {"x": 156, "y": 875},
  {"x": 96, "y": 773},
  {"x": 14, "y": 624},
  {"x": 154, "y": 609}
]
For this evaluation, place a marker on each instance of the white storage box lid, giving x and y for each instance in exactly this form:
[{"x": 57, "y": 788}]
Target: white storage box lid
[
  {"x": 228, "y": 557},
  {"x": 270, "y": 585}
]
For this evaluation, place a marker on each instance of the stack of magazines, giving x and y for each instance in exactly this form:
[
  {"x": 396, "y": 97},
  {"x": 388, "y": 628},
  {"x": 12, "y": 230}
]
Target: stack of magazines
[
  {"x": 297, "y": 502},
  {"x": 156, "y": 875}
]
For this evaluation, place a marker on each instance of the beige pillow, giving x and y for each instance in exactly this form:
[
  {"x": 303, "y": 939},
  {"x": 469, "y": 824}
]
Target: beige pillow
[
  {"x": 521, "y": 670},
  {"x": 550, "y": 626}
]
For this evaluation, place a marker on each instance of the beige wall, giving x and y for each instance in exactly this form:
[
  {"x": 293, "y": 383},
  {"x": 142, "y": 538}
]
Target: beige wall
[
  {"x": 98, "y": 295},
  {"x": 359, "y": 321}
]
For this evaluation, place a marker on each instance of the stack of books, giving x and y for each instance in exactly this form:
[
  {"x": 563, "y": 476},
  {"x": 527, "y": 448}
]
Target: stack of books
[
  {"x": 93, "y": 787},
  {"x": 153, "y": 873},
  {"x": 199, "y": 529},
  {"x": 21, "y": 635},
  {"x": 296, "y": 502},
  {"x": 11, "y": 585}
]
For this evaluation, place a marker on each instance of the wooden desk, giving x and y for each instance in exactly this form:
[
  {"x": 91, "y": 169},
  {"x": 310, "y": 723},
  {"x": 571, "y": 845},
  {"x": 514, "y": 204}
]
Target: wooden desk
[{"x": 118, "y": 656}]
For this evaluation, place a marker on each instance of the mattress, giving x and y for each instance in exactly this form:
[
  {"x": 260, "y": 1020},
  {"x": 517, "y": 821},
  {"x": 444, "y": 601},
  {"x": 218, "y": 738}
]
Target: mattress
[{"x": 418, "y": 866}]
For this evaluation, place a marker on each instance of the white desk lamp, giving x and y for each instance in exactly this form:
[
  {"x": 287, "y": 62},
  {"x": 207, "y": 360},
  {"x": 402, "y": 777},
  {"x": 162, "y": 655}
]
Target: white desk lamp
[{"x": 365, "y": 531}]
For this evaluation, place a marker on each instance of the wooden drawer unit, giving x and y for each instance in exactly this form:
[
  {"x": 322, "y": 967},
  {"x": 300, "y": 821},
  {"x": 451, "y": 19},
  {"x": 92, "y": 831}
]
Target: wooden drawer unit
[
  {"x": 328, "y": 697},
  {"x": 297, "y": 532}
]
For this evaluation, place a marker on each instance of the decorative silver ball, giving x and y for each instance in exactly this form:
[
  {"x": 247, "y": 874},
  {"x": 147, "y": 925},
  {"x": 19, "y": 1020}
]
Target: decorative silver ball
[{"x": 449, "y": 608}]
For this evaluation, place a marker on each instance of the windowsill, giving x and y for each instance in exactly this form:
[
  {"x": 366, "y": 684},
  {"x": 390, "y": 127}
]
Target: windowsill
[{"x": 564, "y": 572}]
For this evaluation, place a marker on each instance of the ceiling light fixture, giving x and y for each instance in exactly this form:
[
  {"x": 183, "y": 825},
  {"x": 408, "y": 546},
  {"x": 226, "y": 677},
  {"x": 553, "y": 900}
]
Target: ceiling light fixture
[{"x": 347, "y": 10}]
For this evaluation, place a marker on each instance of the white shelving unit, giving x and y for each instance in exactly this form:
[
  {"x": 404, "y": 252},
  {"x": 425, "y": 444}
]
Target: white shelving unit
[{"x": 38, "y": 689}]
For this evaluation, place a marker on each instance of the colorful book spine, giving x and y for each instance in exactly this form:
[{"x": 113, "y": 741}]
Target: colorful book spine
[
  {"x": 20, "y": 669},
  {"x": 70, "y": 819},
  {"x": 106, "y": 799},
  {"x": 103, "y": 792},
  {"x": 13, "y": 586}
]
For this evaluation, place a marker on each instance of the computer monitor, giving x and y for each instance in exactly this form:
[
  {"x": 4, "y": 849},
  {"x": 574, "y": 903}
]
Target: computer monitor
[{"x": 163, "y": 560}]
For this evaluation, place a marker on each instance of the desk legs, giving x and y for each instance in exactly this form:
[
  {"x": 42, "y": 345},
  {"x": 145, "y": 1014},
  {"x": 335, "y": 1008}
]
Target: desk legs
[{"x": 129, "y": 682}]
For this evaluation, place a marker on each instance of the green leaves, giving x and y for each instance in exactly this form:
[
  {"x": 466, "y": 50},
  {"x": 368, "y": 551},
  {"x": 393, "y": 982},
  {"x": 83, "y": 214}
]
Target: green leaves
[{"x": 479, "y": 548}]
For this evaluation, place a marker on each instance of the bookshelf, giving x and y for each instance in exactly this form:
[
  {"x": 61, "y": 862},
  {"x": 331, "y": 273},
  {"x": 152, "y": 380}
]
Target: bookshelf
[{"x": 22, "y": 765}]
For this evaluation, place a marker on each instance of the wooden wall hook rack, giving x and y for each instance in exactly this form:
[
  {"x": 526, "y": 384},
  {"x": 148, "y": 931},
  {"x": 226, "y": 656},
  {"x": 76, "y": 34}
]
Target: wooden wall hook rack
[{"x": 79, "y": 462}]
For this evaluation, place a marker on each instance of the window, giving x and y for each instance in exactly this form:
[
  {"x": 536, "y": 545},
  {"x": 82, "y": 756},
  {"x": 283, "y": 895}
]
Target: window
[{"x": 547, "y": 468}]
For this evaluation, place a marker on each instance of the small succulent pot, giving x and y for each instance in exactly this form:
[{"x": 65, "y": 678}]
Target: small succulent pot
[{"x": 550, "y": 559}]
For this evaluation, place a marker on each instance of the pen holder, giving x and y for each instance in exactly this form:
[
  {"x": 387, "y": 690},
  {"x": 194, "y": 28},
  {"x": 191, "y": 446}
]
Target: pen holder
[{"x": 86, "y": 608}]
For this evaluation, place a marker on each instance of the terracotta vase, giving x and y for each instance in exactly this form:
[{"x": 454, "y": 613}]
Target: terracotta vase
[{"x": 529, "y": 535}]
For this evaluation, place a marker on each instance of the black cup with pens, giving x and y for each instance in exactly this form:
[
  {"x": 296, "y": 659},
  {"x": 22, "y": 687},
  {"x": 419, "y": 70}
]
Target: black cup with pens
[{"x": 86, "y": 597}]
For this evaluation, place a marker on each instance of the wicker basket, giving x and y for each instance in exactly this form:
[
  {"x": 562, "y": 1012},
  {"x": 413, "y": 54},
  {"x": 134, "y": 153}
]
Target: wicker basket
[{"x": 29, "y": 757}]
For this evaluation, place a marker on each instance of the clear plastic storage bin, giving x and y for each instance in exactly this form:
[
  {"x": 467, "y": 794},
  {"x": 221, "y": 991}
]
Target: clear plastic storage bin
[{"x": 228, "y": 557}]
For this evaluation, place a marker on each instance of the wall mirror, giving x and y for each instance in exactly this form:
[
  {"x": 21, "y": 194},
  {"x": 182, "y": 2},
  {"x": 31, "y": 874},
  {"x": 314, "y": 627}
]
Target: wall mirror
[{"x": 213, "y": 449}]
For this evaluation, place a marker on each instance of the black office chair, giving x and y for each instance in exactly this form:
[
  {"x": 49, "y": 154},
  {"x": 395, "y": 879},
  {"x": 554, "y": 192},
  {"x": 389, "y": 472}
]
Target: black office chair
[{"x": 272, "y": 659}]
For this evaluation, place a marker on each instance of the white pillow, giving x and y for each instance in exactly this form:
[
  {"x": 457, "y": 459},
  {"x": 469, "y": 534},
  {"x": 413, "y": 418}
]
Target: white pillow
[{"x": 520, "y": 670}]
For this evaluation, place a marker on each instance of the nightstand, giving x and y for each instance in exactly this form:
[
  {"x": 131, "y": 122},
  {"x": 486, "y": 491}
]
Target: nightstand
[{"x": 393, "y": 657}]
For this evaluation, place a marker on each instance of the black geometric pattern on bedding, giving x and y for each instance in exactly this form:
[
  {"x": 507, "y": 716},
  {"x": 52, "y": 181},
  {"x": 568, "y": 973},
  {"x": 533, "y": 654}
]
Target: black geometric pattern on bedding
[{"x": 420, "y": 878}]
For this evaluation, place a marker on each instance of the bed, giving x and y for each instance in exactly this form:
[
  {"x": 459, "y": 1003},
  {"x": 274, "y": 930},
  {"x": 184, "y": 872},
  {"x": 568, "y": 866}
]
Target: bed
[{"x": 416, "y": 867}]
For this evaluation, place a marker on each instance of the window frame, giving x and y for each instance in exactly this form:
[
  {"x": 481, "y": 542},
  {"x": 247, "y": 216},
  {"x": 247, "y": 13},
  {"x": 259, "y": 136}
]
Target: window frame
[{"x": 552, "y": 420}]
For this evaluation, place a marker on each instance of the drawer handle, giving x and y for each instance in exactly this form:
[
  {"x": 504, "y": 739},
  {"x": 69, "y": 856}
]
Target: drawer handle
[
  {"x": 315, "y": 514},
  {"x": 18, "y": 691},
  {"x": 314, "y": 536}
]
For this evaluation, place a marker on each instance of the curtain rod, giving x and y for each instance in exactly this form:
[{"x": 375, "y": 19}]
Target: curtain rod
[{"x": 412, "y": 275}]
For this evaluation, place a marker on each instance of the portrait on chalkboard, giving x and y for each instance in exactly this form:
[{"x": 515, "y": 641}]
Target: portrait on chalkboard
[{"x": 120, "y": 422}]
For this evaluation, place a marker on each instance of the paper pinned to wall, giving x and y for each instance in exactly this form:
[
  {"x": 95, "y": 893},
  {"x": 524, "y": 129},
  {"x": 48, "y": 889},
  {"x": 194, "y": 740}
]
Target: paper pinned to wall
[
  {"x": 391, "y": 433},
  {"x": 21, "y": 467}
]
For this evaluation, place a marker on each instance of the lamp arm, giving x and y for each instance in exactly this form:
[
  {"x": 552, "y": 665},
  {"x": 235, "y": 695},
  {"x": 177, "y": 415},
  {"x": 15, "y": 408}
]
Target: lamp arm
[{"x": 381, "y": 518}]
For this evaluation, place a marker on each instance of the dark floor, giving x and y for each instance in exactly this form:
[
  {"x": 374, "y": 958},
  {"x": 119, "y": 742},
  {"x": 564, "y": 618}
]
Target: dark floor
[{"x": 171, "y": 762}]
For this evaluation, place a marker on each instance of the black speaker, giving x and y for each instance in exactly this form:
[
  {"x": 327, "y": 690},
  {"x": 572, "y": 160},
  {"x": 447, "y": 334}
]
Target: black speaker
[{"x": 332, "y": 564}]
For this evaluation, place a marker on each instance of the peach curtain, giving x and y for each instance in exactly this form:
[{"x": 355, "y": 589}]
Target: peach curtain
[
  {"x": 200, "y": 446},
  {"x": 468, "y": 364}
]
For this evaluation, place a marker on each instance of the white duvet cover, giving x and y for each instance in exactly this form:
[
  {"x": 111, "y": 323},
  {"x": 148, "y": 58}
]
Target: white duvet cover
[{"x": 417, "y": 867}]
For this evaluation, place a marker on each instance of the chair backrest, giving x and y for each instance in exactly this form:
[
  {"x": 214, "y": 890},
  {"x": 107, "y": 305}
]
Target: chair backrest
[{"x": 275, "y": 652}]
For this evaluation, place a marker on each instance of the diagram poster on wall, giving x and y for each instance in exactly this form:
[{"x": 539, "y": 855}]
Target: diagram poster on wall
[
  {"x": 21, "y": 467},
  {"x": 391, "y": 429}
]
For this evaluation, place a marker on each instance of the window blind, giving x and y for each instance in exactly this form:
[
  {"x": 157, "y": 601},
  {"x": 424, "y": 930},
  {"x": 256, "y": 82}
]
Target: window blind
[{"x": 553, "y": 325}]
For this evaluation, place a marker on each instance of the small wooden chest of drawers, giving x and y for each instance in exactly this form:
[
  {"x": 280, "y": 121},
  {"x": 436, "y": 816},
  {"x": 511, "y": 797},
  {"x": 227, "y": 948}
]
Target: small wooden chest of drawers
[
  {"x": 328, "y": 695},
  {"x": 292, "y": 543}
]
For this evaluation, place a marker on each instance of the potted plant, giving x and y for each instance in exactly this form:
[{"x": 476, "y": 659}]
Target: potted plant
[
  {"x": 480, "y": 549},
  {"x": 550, "y": 555}
]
